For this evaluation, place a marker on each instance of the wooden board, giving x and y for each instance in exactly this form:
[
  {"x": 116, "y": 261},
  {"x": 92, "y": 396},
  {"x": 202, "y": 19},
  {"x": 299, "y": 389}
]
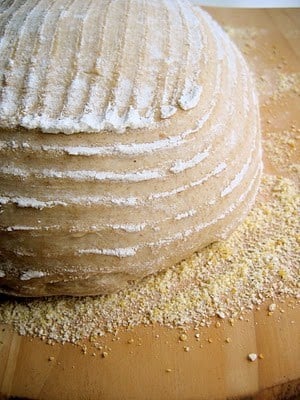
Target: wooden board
[{"x": 213, "y": 368}]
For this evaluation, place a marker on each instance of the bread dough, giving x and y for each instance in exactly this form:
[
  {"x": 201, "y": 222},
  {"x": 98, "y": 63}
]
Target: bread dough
[{"x": 129, "y": 138}]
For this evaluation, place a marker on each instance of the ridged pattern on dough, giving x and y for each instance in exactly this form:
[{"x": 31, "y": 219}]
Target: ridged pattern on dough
[
  {"x": 67, "y": 66},
  {"x": 85, "y": 212}
]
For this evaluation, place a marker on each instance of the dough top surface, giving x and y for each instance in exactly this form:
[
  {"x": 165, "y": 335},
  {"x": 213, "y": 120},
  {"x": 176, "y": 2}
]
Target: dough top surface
[{"x": 99, "y": 65}]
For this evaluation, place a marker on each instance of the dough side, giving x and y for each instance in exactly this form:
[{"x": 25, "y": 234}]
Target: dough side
[{"x": 129, "y": 138}]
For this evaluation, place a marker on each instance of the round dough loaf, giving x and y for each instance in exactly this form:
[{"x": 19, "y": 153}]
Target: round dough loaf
[{"x": 129, "y": 138}]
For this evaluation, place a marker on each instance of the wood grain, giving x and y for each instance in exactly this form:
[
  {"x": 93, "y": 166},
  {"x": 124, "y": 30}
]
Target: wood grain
[{"x": 217, "y": 370}]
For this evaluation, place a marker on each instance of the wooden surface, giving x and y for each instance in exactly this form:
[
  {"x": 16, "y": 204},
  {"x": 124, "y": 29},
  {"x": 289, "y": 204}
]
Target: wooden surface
[{"x": 270, "y": 40}]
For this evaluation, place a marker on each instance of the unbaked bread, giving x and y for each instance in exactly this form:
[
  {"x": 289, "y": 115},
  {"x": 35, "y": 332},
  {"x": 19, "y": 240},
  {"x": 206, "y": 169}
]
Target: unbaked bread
[{"x": 129, "y": 138}]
